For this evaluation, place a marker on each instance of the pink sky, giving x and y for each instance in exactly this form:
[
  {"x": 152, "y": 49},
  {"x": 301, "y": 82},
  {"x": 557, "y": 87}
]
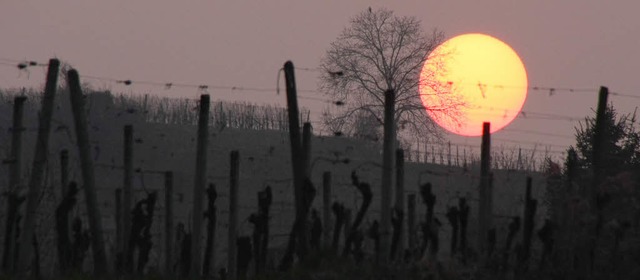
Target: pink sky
[{"x": 579, "y": 44}]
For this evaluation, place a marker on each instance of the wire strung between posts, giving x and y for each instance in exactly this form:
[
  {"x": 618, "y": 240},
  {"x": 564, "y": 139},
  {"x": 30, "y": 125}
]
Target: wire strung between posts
[
  {"x": 204, "y": 87},
  {"x": 625, "y": 95}
]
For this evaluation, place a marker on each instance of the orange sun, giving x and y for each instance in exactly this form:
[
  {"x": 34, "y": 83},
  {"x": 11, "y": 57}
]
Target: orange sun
[{"x": 471, "y": 79}]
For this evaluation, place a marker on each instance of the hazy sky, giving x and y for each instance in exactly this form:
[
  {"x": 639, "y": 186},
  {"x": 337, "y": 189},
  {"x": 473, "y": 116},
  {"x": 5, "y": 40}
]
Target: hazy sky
[{"x": 563, "y": 44}]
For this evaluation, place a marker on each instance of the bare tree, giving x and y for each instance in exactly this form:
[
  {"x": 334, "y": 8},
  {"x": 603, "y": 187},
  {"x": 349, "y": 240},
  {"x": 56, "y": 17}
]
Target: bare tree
[{"x": 376, "y": 52}]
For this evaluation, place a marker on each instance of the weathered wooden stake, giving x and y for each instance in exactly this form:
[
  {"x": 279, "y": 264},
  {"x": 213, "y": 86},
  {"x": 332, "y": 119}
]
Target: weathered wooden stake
[
  {"x": 15, "y": 175},
  {"x": 387, "y": 173},
  {"x": 306, "y": 149},
  {"x": 15, "y": 168},
  {"x": 484, "y": 211},
  {"x": 400, "y": 198},
  {"x": 598, "y": 139},
  {"x": 233, "y": 216},
  {"x": 411, "y": 220},
  {"x": 119, "y": 229},
  {"x": 37, "y": 169},
  {"x": 64, "y": 171},
  {"x": 326, "y": 209},
  {"x": 306, "y": 197},
  {"x": 209, "y": 253},
  {"x": 200, "y": 183},
  {"x": 449, "y": 153},
  {"x": 347, "y": 224},
  {"x": 529, "y": 214},
  {"x": 127, "y": 257},
  {"x": 168, "y": 222},
  {"x": 297, "y": 163},
  {"x": 433, "y": 155},
  {"x": 88, "y": 176}
]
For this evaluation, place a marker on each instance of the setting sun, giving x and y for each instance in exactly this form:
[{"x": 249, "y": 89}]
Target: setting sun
[{"x": 480, "y": 72}]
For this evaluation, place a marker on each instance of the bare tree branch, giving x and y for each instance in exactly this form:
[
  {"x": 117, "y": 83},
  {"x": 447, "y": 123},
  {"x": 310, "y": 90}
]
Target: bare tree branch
[{"x": 376, "y": 52}]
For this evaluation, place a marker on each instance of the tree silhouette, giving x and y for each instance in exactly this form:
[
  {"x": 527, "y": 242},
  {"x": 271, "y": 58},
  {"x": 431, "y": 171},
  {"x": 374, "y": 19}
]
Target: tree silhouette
[
  {"x": 621, "y": 145},
  {"x": 377, "y": 52}
]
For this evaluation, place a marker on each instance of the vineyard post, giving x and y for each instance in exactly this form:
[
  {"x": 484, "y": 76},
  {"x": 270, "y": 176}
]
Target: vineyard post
[
  {"x": 529, "y": 213},
  {"x": 326, "y": 208},
  {"x": 485, "y": 208},
  {"x": 15, "y": 173},
  {"x": 449, "y": 153},
  {"x": 306, "y": 150},
  {"x": 347, "y": 224},
  {"x": 168, "y": 221},
  {"x": 296, "y": 161},
  {"x": 411, "y": 220},
  {"x": 306, "y": 195},
  {"x": 200, "y": 182},
  {"x": 38, "y": 167},
  {"x": 119, "y": 229},
  {"x": 233, "y": 216},
  {"x": 387, "y": 172},
  {"x": 598, "y": 139},
  {"x": 64, "y": 171},
  {"x": 15, "y": 168},
  {"x": 127, "y": 257},
  {"x": 88, "y": 176},
  {"x": 400, "y": 198}
]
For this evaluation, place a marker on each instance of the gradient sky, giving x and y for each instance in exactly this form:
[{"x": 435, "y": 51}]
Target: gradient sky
[{"x": 563, "y": 44}]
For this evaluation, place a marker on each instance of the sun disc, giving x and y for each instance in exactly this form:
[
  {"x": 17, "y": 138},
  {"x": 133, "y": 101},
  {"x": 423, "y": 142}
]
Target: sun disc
[{"x": 471, "y": 79}]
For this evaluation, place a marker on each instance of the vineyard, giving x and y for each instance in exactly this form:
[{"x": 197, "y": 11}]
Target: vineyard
[{"x": 144, "y": 153}]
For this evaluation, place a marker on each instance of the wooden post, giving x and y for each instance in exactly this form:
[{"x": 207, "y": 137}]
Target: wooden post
[
  {"x": 232, "y": 267},
  {"x": 387, "y": 173},
  {"x": 200, "y": 182},
  {"x": 168, "y": 222},
  {"x": 306, "y": 197},
  {"x": 484, "y": 209},
  {"x": 411, "y": 220},
  {"x": 210, "y": 213},
  {"x": 433, "y": 155},
  {"x": 464, "y": 156},
  {"x": 326, "y": 208},
  {"x": 127, "y": 253},
  {"x": 15, "y": 175},
  {"x": 119, "y": 230},
  {"x": 15, "y": 168},
  {"x": 347, "y": 224},
  {"x": 37, "y": 169},
  {"x": 449, "y": 153},
  {"x": 64, "y": 171},
  {"x": 306, "y": 149},
  {"x": 598, "y": 139},
  {"x": 400, "y": 198},
  {"x": 297, "y": 159},
  {"x": 88, "y": 176},
  {"x": 529, "y": 214}
]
